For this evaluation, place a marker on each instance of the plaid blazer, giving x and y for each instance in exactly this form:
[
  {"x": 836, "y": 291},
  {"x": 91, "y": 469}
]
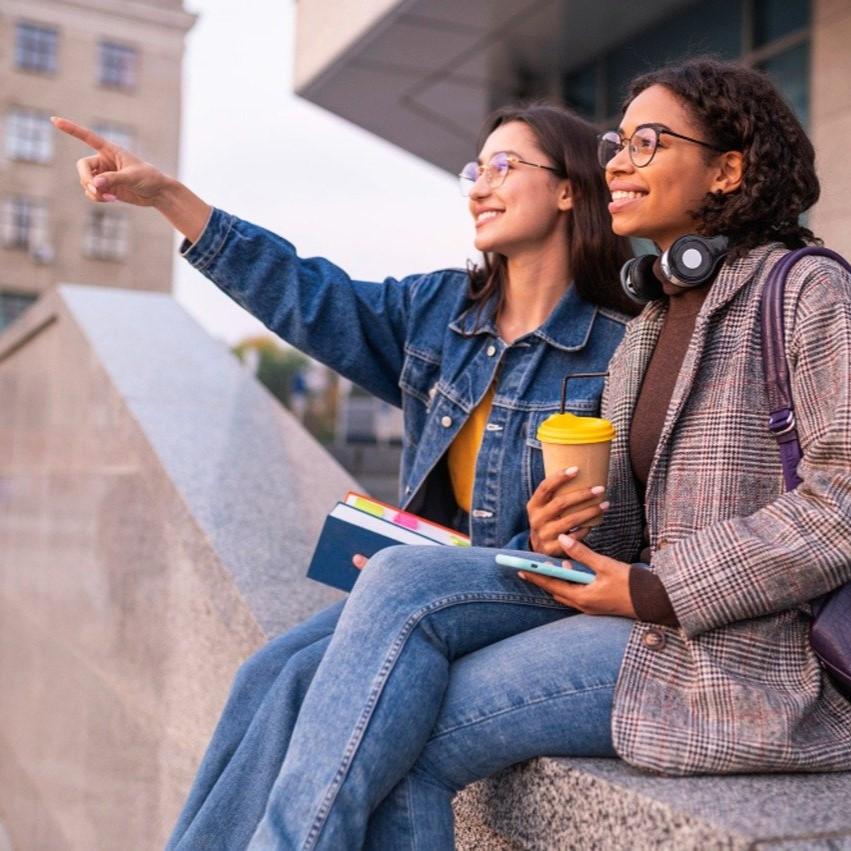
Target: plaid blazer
[{"x": 737, "y": 688}]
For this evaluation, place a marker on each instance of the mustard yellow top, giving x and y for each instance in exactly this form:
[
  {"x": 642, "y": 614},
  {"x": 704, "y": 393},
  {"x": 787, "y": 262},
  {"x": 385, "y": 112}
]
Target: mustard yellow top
[{"x": 464, "y": 451}]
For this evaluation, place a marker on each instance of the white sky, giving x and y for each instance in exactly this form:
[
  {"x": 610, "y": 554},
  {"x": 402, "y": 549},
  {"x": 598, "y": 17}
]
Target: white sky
[{"x": 253, "y": 148}]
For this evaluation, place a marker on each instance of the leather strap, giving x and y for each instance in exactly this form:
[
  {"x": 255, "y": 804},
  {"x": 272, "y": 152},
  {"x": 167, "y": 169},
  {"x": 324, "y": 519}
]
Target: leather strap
[{"x": 781, "y": 419}]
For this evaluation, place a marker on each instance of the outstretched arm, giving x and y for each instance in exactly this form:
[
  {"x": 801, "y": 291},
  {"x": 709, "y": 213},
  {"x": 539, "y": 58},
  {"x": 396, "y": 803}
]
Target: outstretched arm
[{"x": 113, "y": 174}]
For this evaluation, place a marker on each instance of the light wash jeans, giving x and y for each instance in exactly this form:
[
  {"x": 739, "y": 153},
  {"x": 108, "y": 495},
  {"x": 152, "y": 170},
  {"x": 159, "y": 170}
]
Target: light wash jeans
[{"x": 357, "y": 728}]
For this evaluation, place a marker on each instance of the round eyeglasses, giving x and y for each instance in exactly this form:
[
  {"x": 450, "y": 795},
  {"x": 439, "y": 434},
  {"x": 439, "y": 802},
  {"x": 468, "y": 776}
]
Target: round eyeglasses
[
  {"x": 495, "y": 171},
  {"x": 642, "y": 145}
]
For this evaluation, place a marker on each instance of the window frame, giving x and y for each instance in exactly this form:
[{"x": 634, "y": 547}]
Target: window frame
[
  {"x": 20, "y": 52},
  {"x": 117, "y": 82},
  {"x": 29, "y": 135}
]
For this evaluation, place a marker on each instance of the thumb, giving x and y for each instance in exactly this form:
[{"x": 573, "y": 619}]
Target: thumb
[
  {"x": 108, "y": 181},
  {"x": 580, "y": 552}
]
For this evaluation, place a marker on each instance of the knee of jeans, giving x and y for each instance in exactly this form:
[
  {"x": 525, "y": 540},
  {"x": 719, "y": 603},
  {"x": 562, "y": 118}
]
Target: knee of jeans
[{"x": 396, "y": 562}]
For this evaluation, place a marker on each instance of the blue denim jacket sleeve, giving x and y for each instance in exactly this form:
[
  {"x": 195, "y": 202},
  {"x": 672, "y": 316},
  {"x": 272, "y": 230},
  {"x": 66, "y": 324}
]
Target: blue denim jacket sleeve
[{"x": 357, "y": 328}]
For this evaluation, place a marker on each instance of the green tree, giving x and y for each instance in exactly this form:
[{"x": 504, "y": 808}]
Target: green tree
[{"x": 276, "y": 366}]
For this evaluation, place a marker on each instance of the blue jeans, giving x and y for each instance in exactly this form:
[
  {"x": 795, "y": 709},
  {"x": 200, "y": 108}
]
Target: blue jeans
[{"x": 443, "y": 668}]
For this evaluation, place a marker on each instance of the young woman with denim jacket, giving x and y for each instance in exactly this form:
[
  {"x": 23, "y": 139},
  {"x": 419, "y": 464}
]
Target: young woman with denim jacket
[{"x": 457, "y": 351}]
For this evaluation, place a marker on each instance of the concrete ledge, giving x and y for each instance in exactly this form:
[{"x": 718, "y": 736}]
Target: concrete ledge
[{"x": 551, "y": 804}]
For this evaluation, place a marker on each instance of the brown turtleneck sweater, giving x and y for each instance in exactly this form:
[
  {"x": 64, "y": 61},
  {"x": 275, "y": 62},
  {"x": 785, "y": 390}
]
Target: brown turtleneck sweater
[{"x": 649, "y": 598}]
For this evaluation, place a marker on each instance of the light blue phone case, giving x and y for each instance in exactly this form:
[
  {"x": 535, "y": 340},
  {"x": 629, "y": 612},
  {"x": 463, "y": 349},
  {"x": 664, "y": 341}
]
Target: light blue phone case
[{"x": 545, "y": 567}]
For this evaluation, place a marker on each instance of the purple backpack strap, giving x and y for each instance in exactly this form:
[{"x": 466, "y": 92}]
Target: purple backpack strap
[{"x": 781, "y": 419}]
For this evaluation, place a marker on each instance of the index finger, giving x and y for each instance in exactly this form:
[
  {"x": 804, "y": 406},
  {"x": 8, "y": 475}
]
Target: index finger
[
  {"x": 548, "y": 486},
  {"x": 79, "y": 132}
]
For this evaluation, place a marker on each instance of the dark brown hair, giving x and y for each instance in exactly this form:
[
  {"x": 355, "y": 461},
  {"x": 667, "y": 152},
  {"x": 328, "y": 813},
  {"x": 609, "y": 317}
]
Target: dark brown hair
[
  {"x": 739, "y": 109},
  {"x": 595, "y": 253}
]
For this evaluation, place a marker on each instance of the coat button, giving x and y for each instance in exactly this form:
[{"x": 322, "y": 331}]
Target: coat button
[
  {"x": 432, "y": 392},
  {"x": 446, "y": 421},
  {"x": 654, "y": 639},
  {"x": 491, "y": 350}
]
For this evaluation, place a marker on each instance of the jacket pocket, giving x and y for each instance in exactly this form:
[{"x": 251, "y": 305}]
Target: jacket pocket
[{"x": 420, "y": 374}]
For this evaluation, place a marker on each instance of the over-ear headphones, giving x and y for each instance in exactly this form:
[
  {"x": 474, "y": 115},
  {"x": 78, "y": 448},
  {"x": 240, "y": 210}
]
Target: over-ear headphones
[{"x": 691, "y": 261}]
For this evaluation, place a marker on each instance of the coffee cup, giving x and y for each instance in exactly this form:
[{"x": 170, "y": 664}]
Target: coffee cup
[{"x": 582, "y": 442}]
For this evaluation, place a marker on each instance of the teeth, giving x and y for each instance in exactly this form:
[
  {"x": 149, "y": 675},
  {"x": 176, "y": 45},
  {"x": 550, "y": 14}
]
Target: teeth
[
  {"x": 620, "y": 195},
  {"x": 488, "y": 214}
]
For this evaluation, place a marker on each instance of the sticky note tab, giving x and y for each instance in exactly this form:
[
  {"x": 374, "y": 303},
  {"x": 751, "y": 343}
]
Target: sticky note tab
[{"x": 369, "y": 506}]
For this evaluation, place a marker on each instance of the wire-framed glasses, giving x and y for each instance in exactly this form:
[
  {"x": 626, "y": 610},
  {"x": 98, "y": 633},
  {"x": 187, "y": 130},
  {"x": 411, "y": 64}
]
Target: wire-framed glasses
[
  {"x": 642, "y": 145},
  {"x": 495, "y": 171}
]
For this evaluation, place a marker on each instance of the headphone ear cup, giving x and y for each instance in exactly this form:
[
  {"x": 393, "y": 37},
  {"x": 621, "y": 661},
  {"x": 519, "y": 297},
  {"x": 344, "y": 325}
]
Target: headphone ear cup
[
  {"x": 693, "y": 260},
  {"x": 639, "y": 281}
]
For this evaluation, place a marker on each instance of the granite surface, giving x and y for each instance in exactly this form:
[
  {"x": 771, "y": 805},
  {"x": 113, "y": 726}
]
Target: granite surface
[
  {"x": 604, "y": 804},
  {"x": 157, "y": 512}
]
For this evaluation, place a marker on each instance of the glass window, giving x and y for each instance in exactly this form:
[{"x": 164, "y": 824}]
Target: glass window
[
  {"x": 790, "y": 72},
  {"x": 29, "y": 135},
  {"x": 12, "y": 305},
  {"x": 117, "y": 65},
  {"x": 703, "y": 28},
  {"x": 579, "y": 91},
  {"x": 36, "y": 48},
  {"x": 107, "y": 235},
  {"x": 118, "y": 134},
  {"x": 23, "y": 223},
  {"x": 772, "y": 19}
]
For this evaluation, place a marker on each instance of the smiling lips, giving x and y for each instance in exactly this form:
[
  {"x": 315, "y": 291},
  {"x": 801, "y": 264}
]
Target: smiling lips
[
  {"x": 622, "y": 198},
  {"x": 486, "y": 216}
]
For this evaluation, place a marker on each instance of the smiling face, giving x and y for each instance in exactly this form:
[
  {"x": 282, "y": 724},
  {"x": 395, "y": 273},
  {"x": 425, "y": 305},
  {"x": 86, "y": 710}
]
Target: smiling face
[
  {"x": 527, "y": 212},
  {"x": 654, "y": 201}
]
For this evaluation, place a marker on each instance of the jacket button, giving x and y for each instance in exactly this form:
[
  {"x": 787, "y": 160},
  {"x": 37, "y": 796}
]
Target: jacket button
[
  {"x": 432, "y": 392},
  {"x": 446, "y": 421},
  {"x": 491, "y": 350},
  {"x": 654, "y": 639}
]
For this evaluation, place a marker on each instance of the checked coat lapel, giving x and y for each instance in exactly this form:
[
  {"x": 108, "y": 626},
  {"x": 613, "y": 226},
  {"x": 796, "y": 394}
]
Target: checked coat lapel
[{"x": 727, "y": 285}]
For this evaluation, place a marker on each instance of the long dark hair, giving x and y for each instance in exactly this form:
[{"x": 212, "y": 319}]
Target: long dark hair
[
  {"x": 739, "y": 109},
  {"x": 595, "y": 253}
]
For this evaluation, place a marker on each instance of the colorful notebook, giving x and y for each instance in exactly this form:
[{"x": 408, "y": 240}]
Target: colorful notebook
[{"x": 361, "y": 524}]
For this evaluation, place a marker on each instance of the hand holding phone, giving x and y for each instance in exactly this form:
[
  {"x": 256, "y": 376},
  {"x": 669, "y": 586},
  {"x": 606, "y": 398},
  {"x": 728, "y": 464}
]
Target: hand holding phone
[{"x": 547, "y": 568}]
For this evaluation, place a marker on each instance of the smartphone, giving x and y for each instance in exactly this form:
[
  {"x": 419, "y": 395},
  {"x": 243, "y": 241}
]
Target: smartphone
[{"x": 584, "y": 576}]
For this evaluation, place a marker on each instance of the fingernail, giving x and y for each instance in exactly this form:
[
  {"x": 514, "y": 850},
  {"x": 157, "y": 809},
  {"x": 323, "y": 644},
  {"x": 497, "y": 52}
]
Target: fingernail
[
  {"x": 604, "y": 505},
  {"x": 597, "y": 489},
  {"x": 92, "y": 188},
  {"x": 109, "y": 197},
  {"x": 99, "y": 182},
  {"x": 521, "y": 574},
  {"x": 571, "y": 471},
  {"x": 566, "y": 540}
]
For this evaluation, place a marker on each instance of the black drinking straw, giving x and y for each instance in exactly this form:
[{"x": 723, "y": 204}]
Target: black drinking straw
[{"x": 576, "y": 375}]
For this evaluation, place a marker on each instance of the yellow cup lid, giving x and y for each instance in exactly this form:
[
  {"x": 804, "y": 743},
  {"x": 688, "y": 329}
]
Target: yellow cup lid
[{"x": 568, "y": 428}]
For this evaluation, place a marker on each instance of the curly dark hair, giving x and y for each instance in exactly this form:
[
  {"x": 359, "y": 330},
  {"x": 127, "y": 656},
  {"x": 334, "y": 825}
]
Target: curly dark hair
[
  {"x": 739, "y": 109},
  {"x": 595, "y": 253}
]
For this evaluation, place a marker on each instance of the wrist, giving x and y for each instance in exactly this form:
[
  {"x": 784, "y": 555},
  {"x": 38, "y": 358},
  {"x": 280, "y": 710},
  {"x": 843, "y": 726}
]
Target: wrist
[{"x": 183, "y": 208}]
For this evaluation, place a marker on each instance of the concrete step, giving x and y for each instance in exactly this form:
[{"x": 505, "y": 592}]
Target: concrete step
[{"x": 602, "y": 804}]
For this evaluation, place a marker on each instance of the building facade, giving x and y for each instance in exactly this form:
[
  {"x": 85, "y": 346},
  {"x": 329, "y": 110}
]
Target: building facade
[
  {"x": 114, "y": 66},
  {"x": 424, "y": 73}
]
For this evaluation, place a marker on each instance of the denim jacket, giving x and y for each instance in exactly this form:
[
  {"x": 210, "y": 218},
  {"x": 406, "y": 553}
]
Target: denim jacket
[{"x": 419, "y": 344}]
